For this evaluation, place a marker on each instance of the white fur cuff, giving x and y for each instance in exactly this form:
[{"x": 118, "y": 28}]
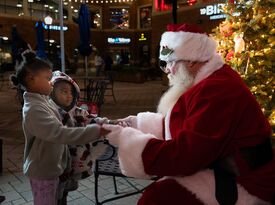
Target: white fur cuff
[
  {"x": 202, "y": 184},
  {"x": 150, "y": 122},
  {"x": 131, "y": 145}
]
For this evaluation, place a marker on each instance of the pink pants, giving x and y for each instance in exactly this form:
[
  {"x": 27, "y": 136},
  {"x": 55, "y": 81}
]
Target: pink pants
[{"x": 45, "y": 192}]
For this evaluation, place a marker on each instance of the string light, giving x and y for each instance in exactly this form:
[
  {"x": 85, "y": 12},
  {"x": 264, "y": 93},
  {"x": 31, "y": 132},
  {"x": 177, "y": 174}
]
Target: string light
[{"x": 65, "y": 2}]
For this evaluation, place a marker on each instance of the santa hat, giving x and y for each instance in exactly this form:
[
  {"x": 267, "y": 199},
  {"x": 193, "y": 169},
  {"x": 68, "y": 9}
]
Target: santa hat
[{"x": 186, "y": 42}]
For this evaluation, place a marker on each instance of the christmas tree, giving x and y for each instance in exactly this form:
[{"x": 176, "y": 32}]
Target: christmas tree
[{"x": 246, "y": 40}]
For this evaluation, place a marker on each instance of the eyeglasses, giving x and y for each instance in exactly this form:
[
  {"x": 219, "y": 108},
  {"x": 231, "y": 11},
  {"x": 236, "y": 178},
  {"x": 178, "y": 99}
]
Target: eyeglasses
[{"x": 165, "y": 65}]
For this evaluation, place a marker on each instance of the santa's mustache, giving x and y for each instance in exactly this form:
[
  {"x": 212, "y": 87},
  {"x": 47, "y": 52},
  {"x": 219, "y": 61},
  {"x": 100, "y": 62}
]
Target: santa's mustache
[
  {"x": 179, "y": 83},
  {"x": 181, "y": 76}
]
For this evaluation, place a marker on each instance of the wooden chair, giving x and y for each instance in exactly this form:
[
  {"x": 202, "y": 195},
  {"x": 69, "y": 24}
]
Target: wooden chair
[{"x": 107, "y": 164}]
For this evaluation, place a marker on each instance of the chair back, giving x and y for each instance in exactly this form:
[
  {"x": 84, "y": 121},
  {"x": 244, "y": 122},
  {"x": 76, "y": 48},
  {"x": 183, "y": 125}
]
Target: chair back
[{"x": 95, "y": 92}]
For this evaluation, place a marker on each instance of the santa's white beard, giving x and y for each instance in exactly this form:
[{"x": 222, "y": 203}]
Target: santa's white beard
[{"x": 181, "y": 81}]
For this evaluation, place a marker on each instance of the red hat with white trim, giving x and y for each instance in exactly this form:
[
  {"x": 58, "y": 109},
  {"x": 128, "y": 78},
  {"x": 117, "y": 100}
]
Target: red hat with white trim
[{"x": 186, "y": 42}]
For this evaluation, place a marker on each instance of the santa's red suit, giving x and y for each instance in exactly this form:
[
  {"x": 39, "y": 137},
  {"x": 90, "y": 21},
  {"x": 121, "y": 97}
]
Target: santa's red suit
[{"x": 216, "y": 118}]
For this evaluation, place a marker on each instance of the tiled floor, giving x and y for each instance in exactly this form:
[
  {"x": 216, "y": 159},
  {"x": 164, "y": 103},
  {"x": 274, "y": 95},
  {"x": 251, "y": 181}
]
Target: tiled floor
[
  {"x": 131, "y": 99},
  {"x": 16, "y": 188}
]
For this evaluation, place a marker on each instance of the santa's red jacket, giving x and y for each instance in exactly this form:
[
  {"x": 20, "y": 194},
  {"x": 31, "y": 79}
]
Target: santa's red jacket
[{"x": 215, "y": 118}]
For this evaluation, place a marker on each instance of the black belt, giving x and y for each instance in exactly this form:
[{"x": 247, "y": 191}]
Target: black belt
[{"x": 226, "y": 170}]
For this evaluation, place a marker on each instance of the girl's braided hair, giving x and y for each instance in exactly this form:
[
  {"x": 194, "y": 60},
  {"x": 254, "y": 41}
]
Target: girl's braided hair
[{"x": 30, "y": 63}]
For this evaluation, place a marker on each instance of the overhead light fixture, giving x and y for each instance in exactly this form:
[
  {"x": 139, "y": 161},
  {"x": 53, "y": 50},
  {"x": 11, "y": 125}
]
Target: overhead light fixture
[
  {"x": 65, "y": 3},
  {"x": 30, "y": 1},
  {"x": 75, "y": 10},
  {"x": 46, "y": 5},
  {"x": 48, "y": 20},
  {"x": 5, "y": 38},
  {"x": 19, "y": 4}
]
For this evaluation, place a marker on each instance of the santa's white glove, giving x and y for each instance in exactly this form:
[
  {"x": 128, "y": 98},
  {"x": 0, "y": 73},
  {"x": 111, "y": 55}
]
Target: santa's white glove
[
  {"x": 113, "y": 136},
  {"x": 101, "y": 120},
  {"x": 130, "y": 121}
]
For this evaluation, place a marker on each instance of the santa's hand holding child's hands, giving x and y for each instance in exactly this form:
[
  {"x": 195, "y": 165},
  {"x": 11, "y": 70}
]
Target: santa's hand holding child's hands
[
  {"x": 113, "y": 133},
  {"x": 111, "y": 129},
  {"x": 130, "y": 121}
]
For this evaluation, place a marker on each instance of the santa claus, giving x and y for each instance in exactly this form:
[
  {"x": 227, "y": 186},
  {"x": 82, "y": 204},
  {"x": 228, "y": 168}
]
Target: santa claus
[{"x": 209, "y": 142}]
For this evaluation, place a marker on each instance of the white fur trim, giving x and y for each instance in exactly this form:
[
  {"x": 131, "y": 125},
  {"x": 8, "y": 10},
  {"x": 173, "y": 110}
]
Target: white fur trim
[
  {"x": 187, "y": 46},
  {"x": 58, "y": 75},
  {"x": 167, "y": 125},
  {"x": 131, "y": 145},
  {"x": 150, "y": 122},
  {"x": 202, "y": 184},
  {"x": 215, "y": 63}
]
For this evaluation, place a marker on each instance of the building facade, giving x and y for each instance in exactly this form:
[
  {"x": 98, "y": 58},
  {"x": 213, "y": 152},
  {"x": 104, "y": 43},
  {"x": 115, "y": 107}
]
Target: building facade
[{"x": 128, "y": 30}]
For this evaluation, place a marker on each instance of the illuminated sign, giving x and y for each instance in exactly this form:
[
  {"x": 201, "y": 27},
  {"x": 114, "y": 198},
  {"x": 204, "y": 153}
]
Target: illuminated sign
[
  {"x": 52, "y": 27},
  {"x": 119, "y": 40},
  {"x": 214, "y": 11},
  {"x": 142, "y": 38}
]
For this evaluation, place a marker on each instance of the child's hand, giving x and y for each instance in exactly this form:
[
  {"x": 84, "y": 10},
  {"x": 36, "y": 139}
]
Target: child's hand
[
  {"x": 104, "y": 132},
  {"x": 101, "y": 120},
  {"x": 114, "y": 133},
  {"x": 113, "y": 122}
]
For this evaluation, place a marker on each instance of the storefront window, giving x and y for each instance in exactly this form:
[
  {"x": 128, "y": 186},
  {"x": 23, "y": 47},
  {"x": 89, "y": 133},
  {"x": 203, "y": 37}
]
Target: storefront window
[
  {"x": 185, "y": 3},
  {"x": 162, "y": 5},
  {"x": 119, "y": 18},
  {"x": 145, "y": 16},
  {"x": 11, "y": 7},
  {"x": 95, "y": 17},
  {"x": 120, "y": 55},
  {"x": 5, "y": 54},
  {"x": 165, "y": 5}
]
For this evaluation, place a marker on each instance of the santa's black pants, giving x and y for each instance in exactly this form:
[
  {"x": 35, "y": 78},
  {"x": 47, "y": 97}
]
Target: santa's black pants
[{"x": 167, "y": 192}]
